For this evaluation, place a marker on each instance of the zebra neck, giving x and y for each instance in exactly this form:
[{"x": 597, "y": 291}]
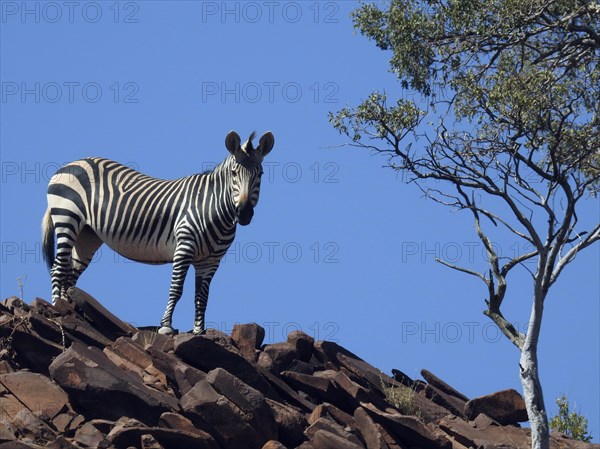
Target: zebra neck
[{"x": 222, "y": 190}]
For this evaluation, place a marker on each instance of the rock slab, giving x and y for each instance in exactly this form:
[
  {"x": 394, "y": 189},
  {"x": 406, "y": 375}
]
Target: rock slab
[{"x": 506, "y": 407}]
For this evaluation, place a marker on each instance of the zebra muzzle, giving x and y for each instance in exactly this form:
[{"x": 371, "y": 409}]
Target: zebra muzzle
[{"x": 245, "y": 215}]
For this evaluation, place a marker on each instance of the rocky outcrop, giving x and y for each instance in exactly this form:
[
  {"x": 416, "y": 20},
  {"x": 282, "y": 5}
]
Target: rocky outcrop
[
  {"x": 74, "y": 376},
  {"x": 506, "y": 407}
]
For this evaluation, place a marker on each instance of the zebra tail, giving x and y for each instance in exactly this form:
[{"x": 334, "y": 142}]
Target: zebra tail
[{"x": 48, "y": 239}]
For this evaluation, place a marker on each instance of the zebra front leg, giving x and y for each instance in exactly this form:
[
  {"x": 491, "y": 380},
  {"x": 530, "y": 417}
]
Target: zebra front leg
[
  {"x": 204, "y": 274},
  {"x": 180, "y": 268}
]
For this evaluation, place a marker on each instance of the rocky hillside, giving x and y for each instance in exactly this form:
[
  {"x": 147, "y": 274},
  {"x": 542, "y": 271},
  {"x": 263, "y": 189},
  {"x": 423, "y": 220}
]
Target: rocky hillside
[{"x": 75, "y": 376}]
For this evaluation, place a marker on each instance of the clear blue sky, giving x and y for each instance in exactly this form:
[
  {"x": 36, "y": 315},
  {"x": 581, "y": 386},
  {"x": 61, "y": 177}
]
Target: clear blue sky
[{"x": 339, "y": 247}]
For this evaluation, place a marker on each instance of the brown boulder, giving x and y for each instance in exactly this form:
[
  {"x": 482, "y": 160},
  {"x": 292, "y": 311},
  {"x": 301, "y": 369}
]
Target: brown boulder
[
  {"x": 327, "y": 440},
  {"x": 561, "y": 441},
  {"x": 303, "y": 343},
  {"x": 391, "y": 442},
  {"x": 370, "y": 433},
  {"x": 249, "y": 401},
  {"x": 103, "y": 390},
  {"x": 407, "y": 429},
  {"x": 149, "y": 442},
  {"x": 6, "y": 367},
  {"x": 75, "y": 423},
  {"x": 327, "y": 410},
  {"x": 124, "y": 437},
  {"x": 171, "y": 420},
  {"x": 13, "y": 304},
  {"x": 89, "y": 436},
  {"x": 290, "y": 423},
  {"x": 61, "y": 443},
  {"x": 106, "y": 425},
  {"x": 83, "y": 331},
  {"x": 124, "y": 363},
  {"x": 282, "y": 355},
  {"x": 17, "y": 420},
  {"x": 7, "y": 431},
  {"x": 285, "y": 391},
  {"x": 506, "y": 407},
  {"x": 130, "y": 354},
  {"x": 453, "y": 404},
  {"x": 222, "y": 339},
  {"x": 298, "y": 366},
  {"x": 467, "y": 434},
  {"x": 323, "y": 387},
  {"x": 44, "y": 307},
  {"x": 19, "y": 445},
  {"x": 133, "y": 352},
  {"x": 36, "y": 392},
  {"x": 402, "y": 378},
  {"x": 306, "y": 445},
  {"x": 181, "y": 375},
  {"x": 266, "y": 362},
  {"x": 103, "y": 320},
  {"x": 206, "y": 355},
  {"x": 429, "y": 411},
  {"x": 438, "y": 383},
  {"x": 146, "y": 338},
  {"x": 248, "y": 338},
  {"x": 272, "y": 444},
  {"x": 29, "y": 349},
  {"x": 341, "y": 357},
  {"x": 67, "y": 423},
  {"x": 179, "y": 422},
  {"x": 224, "y": 420},
  {"x": 483, "y": 421},
  {"x": 353, "y": 393},
  {"x": 315, "y": 386},
  {"x": 331, "y": 426},
  {"x": 50, "y": 329}
]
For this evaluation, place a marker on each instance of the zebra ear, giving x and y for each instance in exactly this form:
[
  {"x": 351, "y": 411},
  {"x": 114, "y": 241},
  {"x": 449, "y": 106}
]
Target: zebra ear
[
  {"x": 232, "y": 142},
  {"x": 265, "y": 145}
]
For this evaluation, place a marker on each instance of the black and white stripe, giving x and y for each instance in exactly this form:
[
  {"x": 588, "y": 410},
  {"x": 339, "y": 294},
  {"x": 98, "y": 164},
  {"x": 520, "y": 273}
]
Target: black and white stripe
[{"x": 188, "y": 221}]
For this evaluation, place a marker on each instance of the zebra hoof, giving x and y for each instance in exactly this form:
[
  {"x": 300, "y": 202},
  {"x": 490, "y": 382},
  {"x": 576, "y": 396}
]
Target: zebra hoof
[
  {"x": 198, "y": 331},
  {"x": 166, "y": 330}
]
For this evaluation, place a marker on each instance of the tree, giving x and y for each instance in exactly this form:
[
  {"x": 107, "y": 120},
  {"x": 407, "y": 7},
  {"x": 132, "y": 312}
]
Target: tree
[
  {"x": 499, "y": 116},
  {"x": 570, "y": 422}
]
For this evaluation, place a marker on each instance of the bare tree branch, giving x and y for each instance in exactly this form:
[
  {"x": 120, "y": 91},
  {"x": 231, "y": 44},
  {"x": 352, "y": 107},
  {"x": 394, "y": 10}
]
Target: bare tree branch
[
  {"x": 592, "y": 237},
  {"x": 516, "y": 337},
  {"x": 464, "y": 270}
]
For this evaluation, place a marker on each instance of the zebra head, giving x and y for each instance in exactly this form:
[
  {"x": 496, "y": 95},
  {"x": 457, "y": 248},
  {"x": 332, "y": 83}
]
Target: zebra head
[{"x": 246, "y": 170}]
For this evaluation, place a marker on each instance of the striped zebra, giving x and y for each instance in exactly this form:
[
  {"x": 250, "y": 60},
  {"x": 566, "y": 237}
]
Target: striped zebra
[{"x": 187, "y": 221}]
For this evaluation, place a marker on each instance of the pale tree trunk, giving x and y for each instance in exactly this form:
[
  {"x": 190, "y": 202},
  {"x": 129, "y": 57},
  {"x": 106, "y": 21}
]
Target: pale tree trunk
[{"x": 530, "y": 380}]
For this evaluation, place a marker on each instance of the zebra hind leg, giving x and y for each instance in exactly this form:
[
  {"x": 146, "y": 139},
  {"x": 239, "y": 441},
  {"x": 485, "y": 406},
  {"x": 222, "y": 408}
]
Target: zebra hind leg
[
  {"x": 180, "y": 268},
  {"x": 61, "y": 271},
  {"x": 83, "y": 252}
]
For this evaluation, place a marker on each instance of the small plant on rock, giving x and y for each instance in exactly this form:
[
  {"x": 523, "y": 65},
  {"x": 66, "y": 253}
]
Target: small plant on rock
[
  {"x": 403, "y": 398},
  {"x": 569, "y": 422}
]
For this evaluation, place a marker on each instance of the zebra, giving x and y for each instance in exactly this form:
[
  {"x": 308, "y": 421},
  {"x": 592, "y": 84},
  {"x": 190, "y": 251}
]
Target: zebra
[{"x": 189, "y": 221}]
